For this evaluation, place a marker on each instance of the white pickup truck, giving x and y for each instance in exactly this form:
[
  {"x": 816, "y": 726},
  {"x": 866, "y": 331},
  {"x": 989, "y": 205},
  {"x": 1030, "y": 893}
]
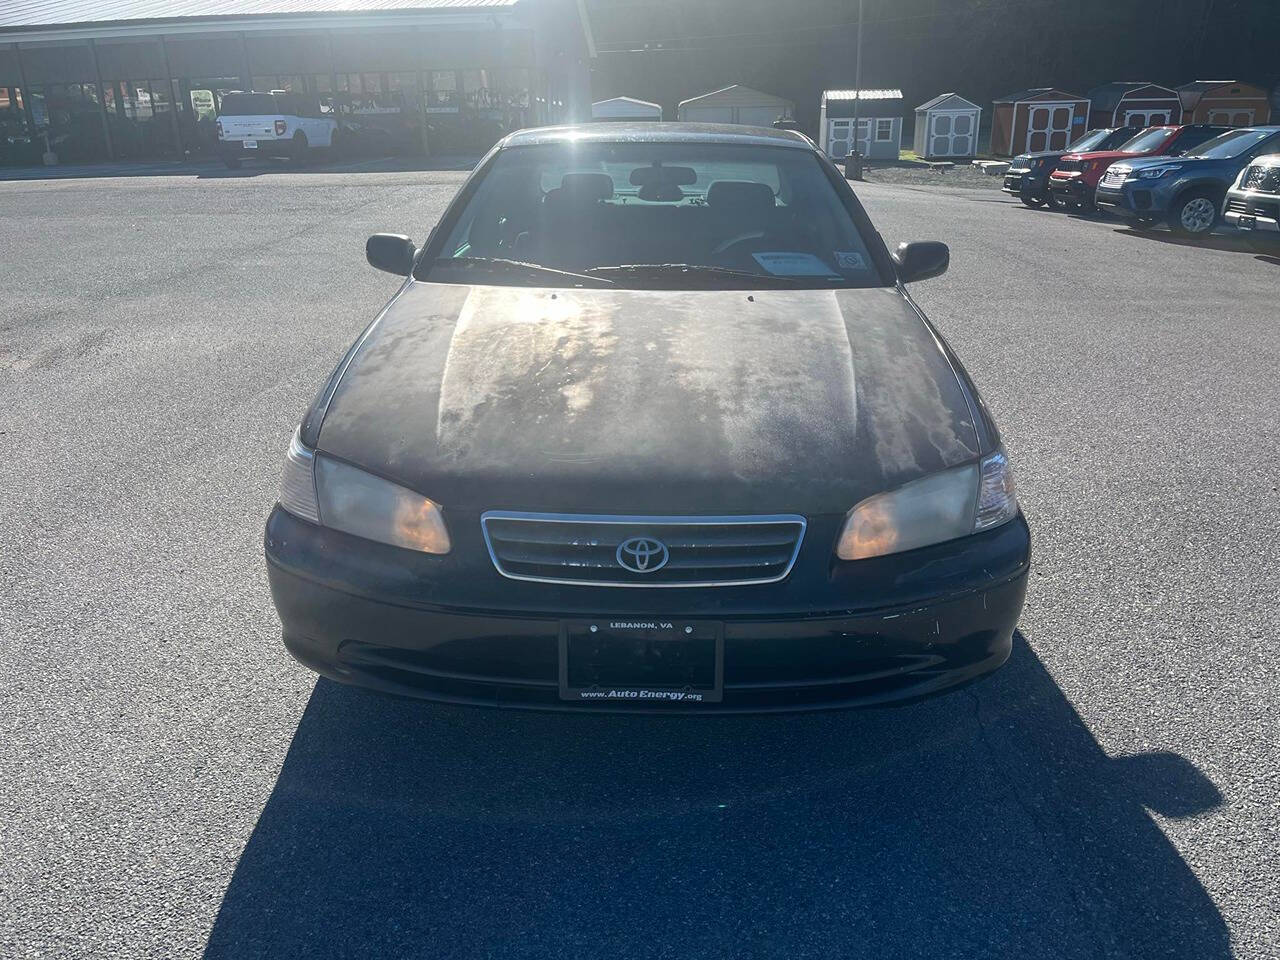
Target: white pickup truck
[{"x": 272, "y": 125}]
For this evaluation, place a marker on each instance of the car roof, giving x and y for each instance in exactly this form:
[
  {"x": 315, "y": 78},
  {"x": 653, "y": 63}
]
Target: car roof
[{"x": 648, "y": 132}]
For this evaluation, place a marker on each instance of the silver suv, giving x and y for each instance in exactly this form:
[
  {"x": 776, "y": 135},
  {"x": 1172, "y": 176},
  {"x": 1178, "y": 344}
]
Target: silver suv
[{"x": 1253, "y": 202}]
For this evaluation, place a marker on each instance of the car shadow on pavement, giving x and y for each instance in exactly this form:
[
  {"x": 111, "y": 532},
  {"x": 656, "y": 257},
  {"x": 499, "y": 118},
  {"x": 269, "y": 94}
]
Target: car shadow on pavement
[
  {"x": 987, "y": 823},
  {"x": 1230, "y": 242}
]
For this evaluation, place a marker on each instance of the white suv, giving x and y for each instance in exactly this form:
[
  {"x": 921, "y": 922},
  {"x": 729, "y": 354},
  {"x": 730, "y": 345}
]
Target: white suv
[
  {"x": 272, "y": 125},
  {"x": 1253, "y": 202}
]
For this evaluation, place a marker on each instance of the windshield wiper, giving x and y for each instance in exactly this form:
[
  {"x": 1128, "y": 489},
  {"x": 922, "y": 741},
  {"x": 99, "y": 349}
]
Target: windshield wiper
[
  {"x": 501, "y": 263},
  {"x": 698, "y": 269}
]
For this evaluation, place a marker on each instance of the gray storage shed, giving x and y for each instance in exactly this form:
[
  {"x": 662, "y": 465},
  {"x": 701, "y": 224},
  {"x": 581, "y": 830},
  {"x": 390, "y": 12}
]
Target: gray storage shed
[
  {"x": 736, "y": 104},
  {"x": 879, "y": 134},
  {"x": 947, "y": 126}
]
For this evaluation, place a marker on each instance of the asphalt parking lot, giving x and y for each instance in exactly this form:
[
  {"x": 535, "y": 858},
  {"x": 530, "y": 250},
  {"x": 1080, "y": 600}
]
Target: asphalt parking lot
[{"x": 173, "y": 785}]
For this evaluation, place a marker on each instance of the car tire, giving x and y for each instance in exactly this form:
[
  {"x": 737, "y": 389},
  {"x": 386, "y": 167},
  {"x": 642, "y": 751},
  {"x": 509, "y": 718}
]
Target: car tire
[
  {"x": 232, "y": 163},
  {"x": 299, "y": 150},
  {"x": 1051, "y": 202},
  {"x": 1035, "y": 201},
  {"x": 1194, "y": 214}
]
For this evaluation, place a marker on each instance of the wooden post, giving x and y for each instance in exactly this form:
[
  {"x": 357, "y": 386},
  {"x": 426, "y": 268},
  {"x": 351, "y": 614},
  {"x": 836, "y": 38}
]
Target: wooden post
[
  {"x": 26, "y": 89},
  {"x": 422, "y": 102},
  {"x": 174, "y": 93},
  {"x": 102, "y": 101}
]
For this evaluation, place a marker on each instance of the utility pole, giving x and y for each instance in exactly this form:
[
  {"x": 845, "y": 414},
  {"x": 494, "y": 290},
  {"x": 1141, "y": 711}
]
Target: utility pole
[{"x": 853, "y": 163}]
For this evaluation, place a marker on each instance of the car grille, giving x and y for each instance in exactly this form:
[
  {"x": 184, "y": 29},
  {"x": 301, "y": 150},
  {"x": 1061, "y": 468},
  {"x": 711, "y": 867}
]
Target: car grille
[
  {"x": 1070, "y": 165},
  {"x": 1262, "y": 179},
  {"x": 659, "y": 551},
  {"x": 1260, "y": 208},
  {"x": 1114, "y": 177}
]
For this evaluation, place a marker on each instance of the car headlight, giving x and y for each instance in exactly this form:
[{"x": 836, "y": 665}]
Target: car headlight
[
  {"x": 945, "y": 506},
  {"x": 337, "y": 495},
  {"x": 1155, "y": 173}
]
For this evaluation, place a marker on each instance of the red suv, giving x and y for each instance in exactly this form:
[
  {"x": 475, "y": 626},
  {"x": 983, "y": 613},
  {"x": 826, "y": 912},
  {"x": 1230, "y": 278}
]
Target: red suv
[{"x": 1076, "y": 177}]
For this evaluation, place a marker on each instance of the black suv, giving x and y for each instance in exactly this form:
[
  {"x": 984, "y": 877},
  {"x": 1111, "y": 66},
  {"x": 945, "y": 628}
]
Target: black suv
[{"x": 1028, "y": 174}]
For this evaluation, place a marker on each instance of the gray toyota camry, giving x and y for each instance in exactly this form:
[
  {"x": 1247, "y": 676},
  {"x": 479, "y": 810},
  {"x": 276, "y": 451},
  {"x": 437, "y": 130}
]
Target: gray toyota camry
[{"x": 651, "y": 424}]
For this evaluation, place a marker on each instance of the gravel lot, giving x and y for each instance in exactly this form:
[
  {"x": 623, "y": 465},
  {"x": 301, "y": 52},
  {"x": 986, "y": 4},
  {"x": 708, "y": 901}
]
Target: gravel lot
[
  {"x": 963, "y": 175},
  {"x": 175, "y": 786}
]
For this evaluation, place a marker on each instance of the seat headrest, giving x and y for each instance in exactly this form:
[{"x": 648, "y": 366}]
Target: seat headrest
[
  {"x": 739, "y": 195},
  {"x": 587, "y": 186}
]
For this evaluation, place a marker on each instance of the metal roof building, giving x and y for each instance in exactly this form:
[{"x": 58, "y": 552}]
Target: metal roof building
[
  {"x": 625, "y": 108},
  {"x": 879, "y": 123},
  {"x": 736, "y": 104},
  {"x": 84, "y": 80}
]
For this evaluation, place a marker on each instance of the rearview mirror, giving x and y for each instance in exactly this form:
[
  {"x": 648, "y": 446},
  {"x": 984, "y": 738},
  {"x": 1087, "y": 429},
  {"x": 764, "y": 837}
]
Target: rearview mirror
[
  {"x": 392, "y": 252},
  {"x": 921, "y": 260}
]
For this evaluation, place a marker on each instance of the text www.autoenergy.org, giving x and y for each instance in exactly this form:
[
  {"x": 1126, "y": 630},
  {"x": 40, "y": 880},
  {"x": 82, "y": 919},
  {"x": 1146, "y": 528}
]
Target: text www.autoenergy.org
[{"x": 675, "y": 695}]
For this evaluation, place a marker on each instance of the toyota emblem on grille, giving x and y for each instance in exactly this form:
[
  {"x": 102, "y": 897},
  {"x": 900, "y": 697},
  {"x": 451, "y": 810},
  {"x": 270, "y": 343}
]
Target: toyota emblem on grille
[{"x": 642, "y": 555}]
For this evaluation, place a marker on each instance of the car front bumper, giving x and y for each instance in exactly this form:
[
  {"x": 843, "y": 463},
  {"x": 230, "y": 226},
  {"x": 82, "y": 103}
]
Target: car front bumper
[
  {"x": 879, "y": 631},
  {"x": 1252, "y": 212},
  {"x": 1074, "y": 190},
  {"x": 1025, "y": 183},
  {"x": 1131, "y": 200}
]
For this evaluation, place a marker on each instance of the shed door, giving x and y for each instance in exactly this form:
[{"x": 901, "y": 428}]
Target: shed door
[
  {"x": 1146, "y": 118},
  {"x": 840, "y": 138},
  {"x": 709, "y": 114},
  {"x": 758, "y": 116},
  {"x": 1049, "y": 127},
  {"x": 951, "y": 135},
  {"x": 1231, "y": 118}
]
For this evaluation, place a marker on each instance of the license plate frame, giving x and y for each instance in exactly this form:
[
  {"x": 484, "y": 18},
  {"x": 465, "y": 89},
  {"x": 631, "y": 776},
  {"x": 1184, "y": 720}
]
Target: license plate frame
[
  {"x": 250, "y": 144},
  {"x": 641, "y": 661}
]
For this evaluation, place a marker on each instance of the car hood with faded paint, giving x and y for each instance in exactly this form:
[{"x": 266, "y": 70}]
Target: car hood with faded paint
[{"x": 649, "y": 401}]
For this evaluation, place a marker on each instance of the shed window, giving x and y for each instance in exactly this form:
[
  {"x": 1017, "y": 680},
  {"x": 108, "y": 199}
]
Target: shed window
[{"x": 884, "y": 130}]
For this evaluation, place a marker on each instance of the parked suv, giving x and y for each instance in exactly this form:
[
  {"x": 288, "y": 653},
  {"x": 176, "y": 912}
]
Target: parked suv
[
  {"x": 1076, "y": 177},
  {"x": 1187, "y": 191},
  {"x": 1253, "y": 202},
  {"x": 1028, "y": 175},
  {"x": 272, "y": 125}
]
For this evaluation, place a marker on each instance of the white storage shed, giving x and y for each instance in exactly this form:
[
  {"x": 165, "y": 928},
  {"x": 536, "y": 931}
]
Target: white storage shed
[
  {"x": 736, "y": 104},
  {"x": 947, "y": 126},
  {"x": 625, "y": 108}
]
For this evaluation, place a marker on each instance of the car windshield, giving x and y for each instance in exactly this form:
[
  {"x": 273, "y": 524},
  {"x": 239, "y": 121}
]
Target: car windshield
[
  {"x": 656, "y": 215},
  {"x": 249, "y": 105},
  {"x": 1232, "y": 144},
  {"x": 1147, "y": 140},
  {"x": 1089, "y": 141}
]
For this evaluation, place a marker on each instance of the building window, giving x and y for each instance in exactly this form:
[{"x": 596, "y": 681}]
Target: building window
[
  {"x": 442, "y": 91},
  {"x": 884, "y": 130}
]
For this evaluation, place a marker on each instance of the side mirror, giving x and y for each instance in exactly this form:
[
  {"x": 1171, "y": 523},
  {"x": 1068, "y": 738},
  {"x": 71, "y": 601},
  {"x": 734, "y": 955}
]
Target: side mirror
[
  {"x": 392, "y": 252},
  {"x": 921, "y": 260}
]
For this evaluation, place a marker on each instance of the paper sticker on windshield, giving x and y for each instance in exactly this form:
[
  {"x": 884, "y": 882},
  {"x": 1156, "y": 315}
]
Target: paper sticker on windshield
[
  {"x": 782, "y": 264},
  {"x": 850, "y": 260}
]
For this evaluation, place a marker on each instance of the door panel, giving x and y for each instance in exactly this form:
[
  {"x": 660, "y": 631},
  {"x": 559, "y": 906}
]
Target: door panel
[
  {"x": 1060, "y": 128},
  {"x": 1038, "y": 130},
  {"x": 962, "y": 136},
  {"x": 839, "y": 141}
]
